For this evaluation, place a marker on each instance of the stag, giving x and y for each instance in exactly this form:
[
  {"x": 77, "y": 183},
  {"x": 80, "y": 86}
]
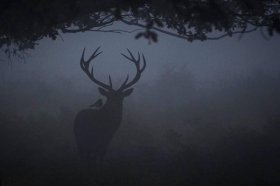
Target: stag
[{"x": 95, "y": 128}]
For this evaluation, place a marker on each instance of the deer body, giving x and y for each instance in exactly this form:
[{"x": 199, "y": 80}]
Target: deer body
[{"x": 94, "y": 129}]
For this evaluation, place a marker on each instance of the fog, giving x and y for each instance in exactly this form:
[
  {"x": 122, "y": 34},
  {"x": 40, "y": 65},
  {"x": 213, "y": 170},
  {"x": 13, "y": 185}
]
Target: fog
[{"x": 203, "y": 113}]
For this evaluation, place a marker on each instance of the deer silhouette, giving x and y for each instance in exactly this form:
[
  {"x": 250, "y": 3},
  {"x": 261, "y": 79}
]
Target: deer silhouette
[{"x": 94, "y": 129}]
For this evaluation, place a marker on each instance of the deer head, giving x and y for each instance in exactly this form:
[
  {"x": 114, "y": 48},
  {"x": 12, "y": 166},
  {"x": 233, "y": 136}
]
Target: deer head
[{"x": 114, "y": 97}]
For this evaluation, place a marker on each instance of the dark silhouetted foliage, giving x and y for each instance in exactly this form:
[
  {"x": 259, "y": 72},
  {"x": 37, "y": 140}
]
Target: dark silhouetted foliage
[{"x": 23, "y": 23}]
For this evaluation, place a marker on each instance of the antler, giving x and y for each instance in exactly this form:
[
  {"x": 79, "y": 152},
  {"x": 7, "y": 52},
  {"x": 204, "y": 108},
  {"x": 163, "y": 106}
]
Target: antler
[
  {"x": 85, "y": 67},
  {"x": 138, "y": 73}
]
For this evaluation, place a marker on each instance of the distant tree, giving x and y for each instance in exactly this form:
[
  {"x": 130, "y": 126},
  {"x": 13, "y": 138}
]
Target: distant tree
[{"x": 24, "y": 22}]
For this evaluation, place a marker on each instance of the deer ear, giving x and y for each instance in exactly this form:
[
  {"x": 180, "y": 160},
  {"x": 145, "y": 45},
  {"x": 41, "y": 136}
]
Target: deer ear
[
  {"x": 103, "y": 91},
  {"x": 127, "y": 92}
]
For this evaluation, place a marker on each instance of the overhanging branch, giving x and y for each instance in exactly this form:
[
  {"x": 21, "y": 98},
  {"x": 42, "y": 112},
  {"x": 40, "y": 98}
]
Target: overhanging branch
[{"x": 187, "y": 36}]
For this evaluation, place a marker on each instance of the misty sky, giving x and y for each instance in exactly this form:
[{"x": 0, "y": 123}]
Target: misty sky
[{"x": 209, "y": 59}]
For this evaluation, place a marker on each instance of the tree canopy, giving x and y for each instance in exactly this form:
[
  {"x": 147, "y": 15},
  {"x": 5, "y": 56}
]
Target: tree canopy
[{"x": 25, "y": 22}]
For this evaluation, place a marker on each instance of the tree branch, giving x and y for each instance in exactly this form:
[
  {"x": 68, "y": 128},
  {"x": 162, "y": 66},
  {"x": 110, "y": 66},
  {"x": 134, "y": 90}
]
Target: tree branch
[{"x": 187, "y": 36}]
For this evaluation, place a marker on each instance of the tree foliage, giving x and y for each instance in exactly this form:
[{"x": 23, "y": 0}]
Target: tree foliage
[{"x": 24, "y": 22}]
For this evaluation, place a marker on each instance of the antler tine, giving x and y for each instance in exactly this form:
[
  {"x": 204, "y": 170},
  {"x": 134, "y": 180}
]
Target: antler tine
[
  {"x": 132, "y": 58},
  {"x": 110, "y": 82},
  {"x": 94, "y": 55},
  {"x": 131, "y": 55},
  {"x": 125, "y": 81},
  {"x": 127, "y": 57},
  {"x": 144, "y": 65},
  {"x": 82, "y": 61},
  {"x": 138, "y": 60},
  {"x": 85, "y": 67}
]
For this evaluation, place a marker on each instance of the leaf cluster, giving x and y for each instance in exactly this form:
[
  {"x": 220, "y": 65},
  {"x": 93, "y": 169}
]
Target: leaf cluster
[{"x": 25, "y": 22}]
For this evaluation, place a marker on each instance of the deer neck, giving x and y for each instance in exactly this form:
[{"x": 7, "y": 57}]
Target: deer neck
[{"x": 113, "y": 111}]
